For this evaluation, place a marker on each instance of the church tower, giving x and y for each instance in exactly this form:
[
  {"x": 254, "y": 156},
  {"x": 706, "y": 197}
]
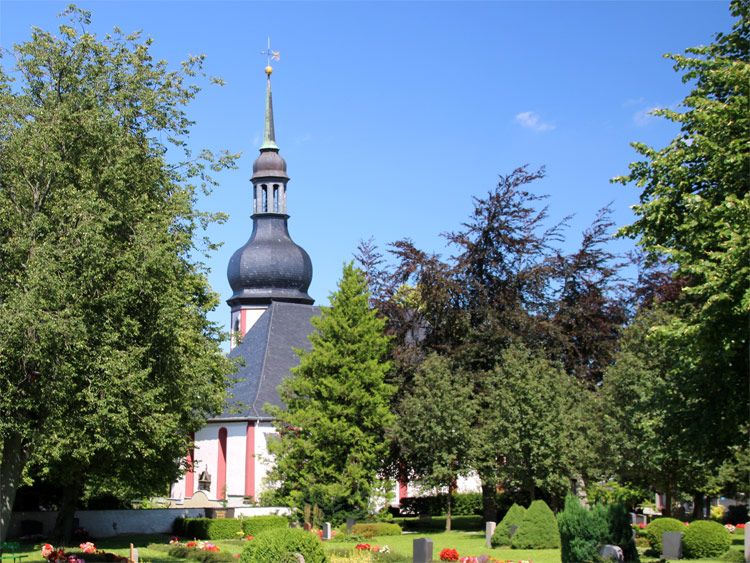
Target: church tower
[{"x": 270, "y": 266}]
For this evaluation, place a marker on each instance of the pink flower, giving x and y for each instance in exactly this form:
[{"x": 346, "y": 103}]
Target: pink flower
[
  {"x": 47, "y": 550},
  {"x": 88, "y": 547}
]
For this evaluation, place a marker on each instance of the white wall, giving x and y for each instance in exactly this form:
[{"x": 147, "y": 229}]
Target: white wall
[
  {"x": 105, "y": 523},
  {"x": 263, "y": 459}
]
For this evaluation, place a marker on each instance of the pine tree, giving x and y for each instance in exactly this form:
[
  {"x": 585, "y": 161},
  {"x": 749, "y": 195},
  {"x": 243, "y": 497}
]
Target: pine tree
[{"x": 337, "y": 408}]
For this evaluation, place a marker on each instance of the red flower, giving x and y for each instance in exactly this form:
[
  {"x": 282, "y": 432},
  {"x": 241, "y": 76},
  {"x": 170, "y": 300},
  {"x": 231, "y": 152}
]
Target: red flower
[
  {"x": 362, "y": 546},
  {"x": 740, "y": 526},
  {"x": 191, "y": 544},
  {"x": 449, "y": 554}
]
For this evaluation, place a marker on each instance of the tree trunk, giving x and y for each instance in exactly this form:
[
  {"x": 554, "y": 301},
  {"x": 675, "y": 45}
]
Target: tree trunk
[
  {"x": 699, "y": 501},
  {"x": 12, "y": 461},
  {"x": 489, "y": 502},
  {"x": 65, "y": 516},
  {"x": 667, "y": 509},
  {"x": 448, "y": 510}
]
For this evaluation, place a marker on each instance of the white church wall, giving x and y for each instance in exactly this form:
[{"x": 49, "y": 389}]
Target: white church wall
[
  {"x": 263, "y": 459},
  {"x": 236, "y": 450}
]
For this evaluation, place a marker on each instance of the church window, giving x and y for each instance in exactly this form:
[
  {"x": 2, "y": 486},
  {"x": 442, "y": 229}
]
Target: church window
[
  {"x": 265, "y": 198},
  {"x": 221, "y": 472},
  {"x": 255, "y": 199},
  {"x": 275, "y": 198}
]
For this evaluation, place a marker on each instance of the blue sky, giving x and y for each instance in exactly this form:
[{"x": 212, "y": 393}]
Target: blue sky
[{"x": 392, "y": 115}]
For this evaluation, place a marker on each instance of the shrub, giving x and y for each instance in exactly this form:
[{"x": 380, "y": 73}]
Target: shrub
[
  {"x": 370, "y": 530},
  {"x": 258, "y": 524},
  {"x": 501, "y": 536},
  {"x": 620, "y": 531},
  {"x": 582, "y": 531},
  {"x": 280, "y": 546},
  {"x": 184, "y": 552},
  {"x": 657, "y": 527},
  {"x": 437, "y": 524},
  {"x": 705, "y": 539},
  {"x": 212, "y": 528},
  {"x": 538, "y": 529},
  {"x": 463, "y": 504}
]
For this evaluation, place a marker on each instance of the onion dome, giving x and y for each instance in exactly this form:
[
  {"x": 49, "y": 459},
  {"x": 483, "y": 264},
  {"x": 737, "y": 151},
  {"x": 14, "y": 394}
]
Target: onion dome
[{"x": 270, "y": 266}]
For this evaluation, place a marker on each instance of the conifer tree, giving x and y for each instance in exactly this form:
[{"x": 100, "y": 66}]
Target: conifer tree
[{"x": 337, "y": 408}]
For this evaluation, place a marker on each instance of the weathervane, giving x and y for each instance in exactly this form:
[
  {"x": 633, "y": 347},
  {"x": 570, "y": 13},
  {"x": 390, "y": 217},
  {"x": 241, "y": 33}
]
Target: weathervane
[{"x": 270, "y": 56}]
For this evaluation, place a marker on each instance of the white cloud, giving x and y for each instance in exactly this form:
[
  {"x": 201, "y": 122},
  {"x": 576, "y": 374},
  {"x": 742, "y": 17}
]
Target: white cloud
[
  {"x": 532, "y": 120},
  {"x": 644, "y": 116},
  {"x": 634, "y": 102}
]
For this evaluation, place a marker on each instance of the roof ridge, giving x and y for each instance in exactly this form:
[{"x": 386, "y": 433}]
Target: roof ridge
[{"x": 270, "y": 311}]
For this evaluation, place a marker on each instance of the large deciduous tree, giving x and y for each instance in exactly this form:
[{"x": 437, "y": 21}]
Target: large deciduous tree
[
  {"x": 107, "y": 359},
  {"x": 695, "y": 210},
  {"x": 434, "y": 427},
  {"x": 336, "y": 412}
]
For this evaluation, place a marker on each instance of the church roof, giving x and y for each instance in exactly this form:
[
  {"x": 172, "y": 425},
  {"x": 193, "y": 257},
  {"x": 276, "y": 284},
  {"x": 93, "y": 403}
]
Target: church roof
[{"x": 267, "y": 351}]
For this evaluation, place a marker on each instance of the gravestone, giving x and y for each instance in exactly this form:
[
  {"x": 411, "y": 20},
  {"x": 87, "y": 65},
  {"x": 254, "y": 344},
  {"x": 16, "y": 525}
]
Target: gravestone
[
  {"x": 422, "y": 551},
  {"x": 747, "y": 542},
  {"x": 671, "y": 545},
  {"x": 489, "y": 529},
  {"x": 512, "y": 530},
  {"x": 612, "y": 553},
  {"x": 349, "y": 525},
  {"x": 327, "y": 531}
]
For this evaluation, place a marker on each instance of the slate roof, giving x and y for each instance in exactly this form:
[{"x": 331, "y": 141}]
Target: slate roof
[{"x": 268, "y": 353}]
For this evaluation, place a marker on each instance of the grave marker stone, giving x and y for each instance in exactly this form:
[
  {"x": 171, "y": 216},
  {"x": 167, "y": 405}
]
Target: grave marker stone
[
  {"x": 747, "y": 542},
  {"x": 671, "y": 545},
  {"x": 489, "y": 529},
  {"x": 349, "y": 525},
  {"x": 422, "y": 551},
  {"x": 327, "y": 531}
]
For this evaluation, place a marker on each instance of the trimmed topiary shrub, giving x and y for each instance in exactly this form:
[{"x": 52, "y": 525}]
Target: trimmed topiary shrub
[
  {"x": 514, "y": 516},
  {"x": 538, "y": 529},
  {"x": 657, "y": 527},
  {"x": 280, "y": 546},
  {"x": 582, "y": 531},
  {"x": 258, "y": 524},
  {"x": 370, "y": 530},
  {"x": 212, "y": 528},
  {"x": 705, "y": 539}
]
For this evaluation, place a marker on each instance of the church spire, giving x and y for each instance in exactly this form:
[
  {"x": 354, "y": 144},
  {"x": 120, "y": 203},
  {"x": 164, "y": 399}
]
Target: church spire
[{"x": 269, "y": 135}]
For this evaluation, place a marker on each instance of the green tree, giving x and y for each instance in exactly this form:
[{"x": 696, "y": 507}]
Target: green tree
[
  {"x": 434, "y": 426},
  {"x": 334, "y": 423},
  {"x": 695, "y": 210},
  {"x": 540, "y": 430},
  {"x": 107, "y": 360}
]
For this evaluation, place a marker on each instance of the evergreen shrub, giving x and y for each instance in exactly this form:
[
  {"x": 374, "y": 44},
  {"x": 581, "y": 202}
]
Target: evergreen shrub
[
  {"x": 258, "y": 524},
  {"x": 704, "y": 539},
  {"x": 370, "y": 530},
  {"x": 538, "y": 529},
  {"x": 514, "y": 516},
  {"x": 280, "y": 545},
  {"x": 582, "y": 531},
  {"x": 657, "y": 527},
  {"x": 620, "y": 530},
  {"x": 212, "y": 528}
]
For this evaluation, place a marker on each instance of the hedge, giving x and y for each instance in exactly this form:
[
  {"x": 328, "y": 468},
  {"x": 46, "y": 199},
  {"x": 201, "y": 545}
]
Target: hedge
[
  {"x": 463, "y": 504},
  {"x": 657, "y": 527},
  {"x": 538, "y": 529},
  {"x": 212, "y": 528},
  {"x": 259, "y": 524},
  {"x": 182, "y": 552},
  {"x": 501, "y": 536},
  {"x": 280, "y": 546},
  {"x": 704, "y": 539},
  {"x": 370, "y": 530},
  {"x": 437, "y": 524}
]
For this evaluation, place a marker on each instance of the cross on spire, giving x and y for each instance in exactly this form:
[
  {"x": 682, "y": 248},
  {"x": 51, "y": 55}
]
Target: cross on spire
[{"x": 270, "y": 55}]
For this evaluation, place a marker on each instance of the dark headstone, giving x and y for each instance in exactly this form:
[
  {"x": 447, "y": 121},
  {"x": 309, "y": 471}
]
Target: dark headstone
[
  {"x": 422, "y": 551},
  {"x": 512, "y": 530},
  {"x": 671, "y": 545},
  {"x": 349, "y": 525}
]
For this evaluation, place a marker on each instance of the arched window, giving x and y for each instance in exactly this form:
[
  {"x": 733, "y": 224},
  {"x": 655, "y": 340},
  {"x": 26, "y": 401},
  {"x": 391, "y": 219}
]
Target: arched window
[{"x": 221, "y": 466}]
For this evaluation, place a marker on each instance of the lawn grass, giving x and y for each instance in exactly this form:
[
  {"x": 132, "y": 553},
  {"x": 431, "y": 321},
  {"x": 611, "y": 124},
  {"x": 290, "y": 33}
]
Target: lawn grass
[{"x": 154, "y": 548}]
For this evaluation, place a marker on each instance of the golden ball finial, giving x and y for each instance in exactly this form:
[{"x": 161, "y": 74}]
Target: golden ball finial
[{"x": 269, "y": 70}]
